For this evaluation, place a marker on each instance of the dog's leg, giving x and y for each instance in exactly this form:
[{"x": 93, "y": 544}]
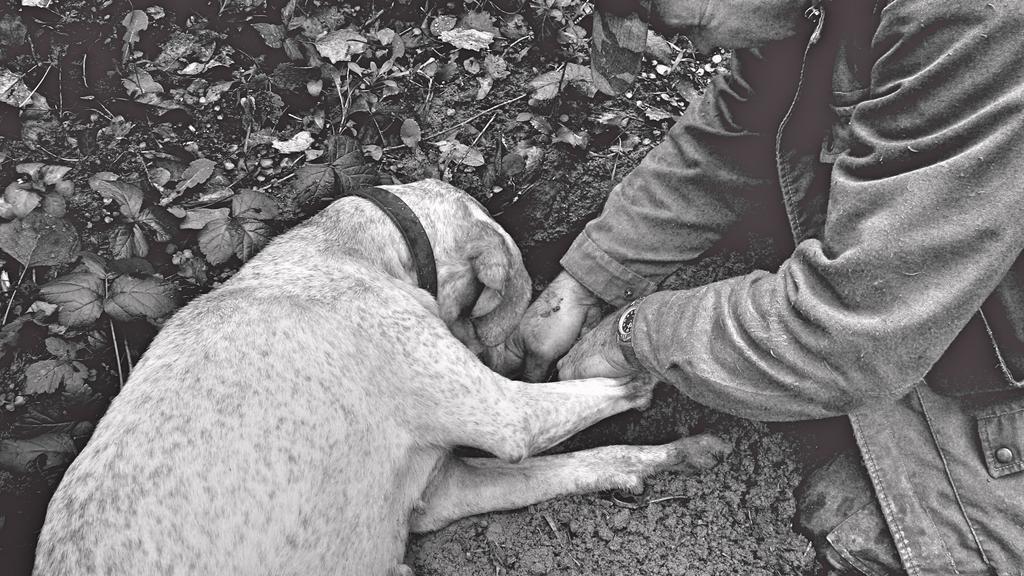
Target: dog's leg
[
  {"x": 517, "y": 419},
  {"x": 463, "y": 487}
]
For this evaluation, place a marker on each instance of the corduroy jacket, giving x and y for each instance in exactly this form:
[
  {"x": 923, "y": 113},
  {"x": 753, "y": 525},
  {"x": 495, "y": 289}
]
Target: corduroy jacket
[{"x": 893, "y": 133}]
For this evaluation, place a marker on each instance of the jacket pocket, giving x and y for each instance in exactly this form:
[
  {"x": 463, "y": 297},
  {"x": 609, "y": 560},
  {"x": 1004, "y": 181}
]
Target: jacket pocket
[
  {"x": 1001, "y": 432},
  {"x": 837, "y": 139},
  {"x": 863, "y": 541}
]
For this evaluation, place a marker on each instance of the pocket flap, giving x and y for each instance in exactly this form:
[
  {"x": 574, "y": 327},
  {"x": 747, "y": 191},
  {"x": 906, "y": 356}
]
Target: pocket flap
[{"x": 1002, "y": 440}]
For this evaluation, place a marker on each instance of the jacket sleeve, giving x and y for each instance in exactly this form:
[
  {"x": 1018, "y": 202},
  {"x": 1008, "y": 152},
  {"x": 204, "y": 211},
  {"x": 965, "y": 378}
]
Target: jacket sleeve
[
  {"x": 925, "y": 217},
  {"x": 714, "y": 165}
]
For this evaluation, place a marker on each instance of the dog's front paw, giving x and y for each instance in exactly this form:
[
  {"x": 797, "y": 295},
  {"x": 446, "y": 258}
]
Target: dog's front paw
[{"x": 695, "y": 453}]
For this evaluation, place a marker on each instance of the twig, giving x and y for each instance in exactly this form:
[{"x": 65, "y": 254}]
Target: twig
[
  {"x": 666, "y": 498},
  {"x": 128, "y": 355},
  {"x": 475, "y": 116},
  {"x": 117, "y": 353},
  {"x": 14, "y": 292}
]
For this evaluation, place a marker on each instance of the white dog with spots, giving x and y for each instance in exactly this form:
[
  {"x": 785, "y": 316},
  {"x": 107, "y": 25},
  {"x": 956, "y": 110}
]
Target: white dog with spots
[{"x": 299, "y": 419}]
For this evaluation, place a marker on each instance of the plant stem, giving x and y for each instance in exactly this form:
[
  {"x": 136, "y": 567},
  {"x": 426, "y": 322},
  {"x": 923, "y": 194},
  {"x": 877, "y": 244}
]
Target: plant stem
[
  {"x": 14, "y": 292},
  {"x": 117, "y": 353}
]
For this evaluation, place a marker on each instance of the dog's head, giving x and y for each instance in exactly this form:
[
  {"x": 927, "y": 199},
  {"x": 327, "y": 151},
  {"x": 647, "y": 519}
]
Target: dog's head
[{"x": 483, "y": 288}]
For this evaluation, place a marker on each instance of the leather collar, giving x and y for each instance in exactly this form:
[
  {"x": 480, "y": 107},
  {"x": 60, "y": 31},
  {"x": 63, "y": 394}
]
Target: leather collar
[{"x": 409, "y": 225}]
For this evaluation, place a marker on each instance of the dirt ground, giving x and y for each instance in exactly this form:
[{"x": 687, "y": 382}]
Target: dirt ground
[{"x": 734, "y": 519}]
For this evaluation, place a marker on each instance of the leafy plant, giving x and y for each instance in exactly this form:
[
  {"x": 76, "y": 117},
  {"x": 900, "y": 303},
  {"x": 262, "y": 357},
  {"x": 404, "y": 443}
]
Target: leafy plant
[{"x": 93, "y": 289}]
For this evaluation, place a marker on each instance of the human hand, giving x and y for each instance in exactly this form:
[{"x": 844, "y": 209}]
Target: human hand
[
  {"x": 552, "y": 324},
  {"x": 597, "y": 354}
]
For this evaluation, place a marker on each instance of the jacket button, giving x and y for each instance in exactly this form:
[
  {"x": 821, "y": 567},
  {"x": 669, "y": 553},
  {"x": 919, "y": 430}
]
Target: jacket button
[
  {"x": 628, "y": 292},
  {"x": 1004, "y": 455}
]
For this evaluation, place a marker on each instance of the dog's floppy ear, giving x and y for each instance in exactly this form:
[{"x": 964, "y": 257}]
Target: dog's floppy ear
[{"x": 506, "y": 293}]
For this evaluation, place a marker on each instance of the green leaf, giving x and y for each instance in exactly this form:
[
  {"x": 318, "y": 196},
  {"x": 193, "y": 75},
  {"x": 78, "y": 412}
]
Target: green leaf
[
  {"x": 49, "y": 174},
  {"x": 39, "y": 239},
  {"x": 158, "y": 223},
  {"x": 55, "y": 205},
  {"x": 131, "y": 298},
  {"x": 217, "y": 240},
  {"x": 198, "y": 172},
  {"x": 79, "y": 295},
  {"x": 61, "y": 348},
  {"x": 253, "y": 236},
  {"x": 127, "y": 241},
  {"x": 254, "y": 205},
  {"x": 47, "y": 451},
  {"x": 410, "y": 133},
  {"x": 128, "y": 196},
  {"x": 350, "y": 165},
  {"x": 46, "y": 376},
  {"x": 312, "y": 182}
]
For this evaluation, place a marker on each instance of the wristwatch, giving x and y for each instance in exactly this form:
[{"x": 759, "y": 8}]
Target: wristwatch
[{"x": 624, "y": 327}]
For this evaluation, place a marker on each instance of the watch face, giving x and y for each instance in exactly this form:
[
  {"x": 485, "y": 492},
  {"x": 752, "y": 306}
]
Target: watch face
[{"x": 626, "y": 324}]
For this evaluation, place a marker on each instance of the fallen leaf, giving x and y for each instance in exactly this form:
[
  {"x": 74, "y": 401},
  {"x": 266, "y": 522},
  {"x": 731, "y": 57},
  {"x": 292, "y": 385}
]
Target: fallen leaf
[
  {"x": 297, "y": 143},
  {"x": 79, "y": 295},
  {"x": 198, "y": 172},
  {"x": 341, "y": 45},
  {"x": 130, "y": 298},
  {"x": 140, "y": 83},
  {"x": 39, "y": 239},
  {"x": 481, "y": 21},
  {"x": 468, "y": 39},
  {"x": 254, "y": 205},
  {"x": 550, "y": 84},
  {"x": 460, "y": 153},
  {"x": 571, "y": 137},
  {"x": 36, "y": 3},
  {"x": 272, "y": 34},
  {"x": 410, "y": 132},
  {"x": 20, "y": 199},
  {"x": 13, "y": 91},
  {"x": 48, "y": 452},
  {"x": 197, "y": 218}
]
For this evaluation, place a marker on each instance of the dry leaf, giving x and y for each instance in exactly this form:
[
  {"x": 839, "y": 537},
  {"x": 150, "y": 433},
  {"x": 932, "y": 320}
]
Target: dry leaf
[
  {"x": 341, "y": 45},
  {"x": 298, "y": 143},
  {"x": 468, "y": 39}
]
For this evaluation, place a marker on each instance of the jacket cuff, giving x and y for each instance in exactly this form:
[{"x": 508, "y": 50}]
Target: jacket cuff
[
  {"x": 645, "y": 337},
  {"x": 603, "y": 275}
]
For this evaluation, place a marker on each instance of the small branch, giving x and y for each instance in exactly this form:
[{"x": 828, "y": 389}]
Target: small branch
[{"x": 128, "y": 355}]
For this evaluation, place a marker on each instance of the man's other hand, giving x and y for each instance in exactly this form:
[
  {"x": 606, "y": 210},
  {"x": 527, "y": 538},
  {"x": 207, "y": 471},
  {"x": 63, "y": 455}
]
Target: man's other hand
[{"x": 552, "y": 324}]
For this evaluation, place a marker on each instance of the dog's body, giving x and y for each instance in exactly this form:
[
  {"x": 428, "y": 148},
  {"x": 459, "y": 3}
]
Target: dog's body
[{"x": 298, "y": 419}]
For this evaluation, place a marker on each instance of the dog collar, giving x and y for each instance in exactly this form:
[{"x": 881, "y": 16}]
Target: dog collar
[{"x": 410, "y": 227}]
